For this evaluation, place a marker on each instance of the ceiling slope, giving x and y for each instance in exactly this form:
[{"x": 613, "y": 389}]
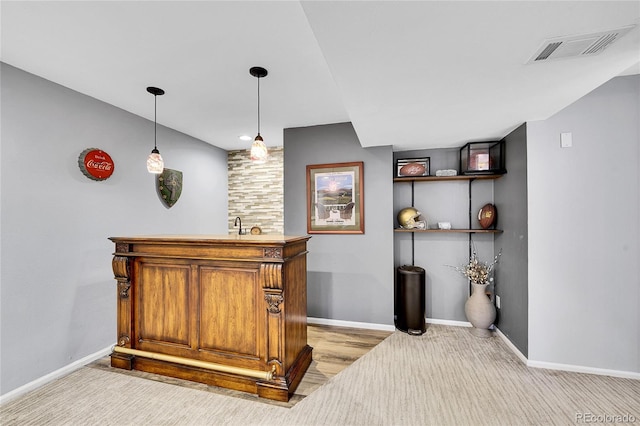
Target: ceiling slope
[
  {"x": 441, "y": 74},
  {"x": 198, "y": 52},
  {"x": 416, "y": 74}
]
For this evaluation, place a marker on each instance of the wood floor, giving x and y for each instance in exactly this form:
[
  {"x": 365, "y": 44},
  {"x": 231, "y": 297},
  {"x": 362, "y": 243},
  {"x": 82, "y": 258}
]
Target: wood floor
[{"x": 334, "y": 349}]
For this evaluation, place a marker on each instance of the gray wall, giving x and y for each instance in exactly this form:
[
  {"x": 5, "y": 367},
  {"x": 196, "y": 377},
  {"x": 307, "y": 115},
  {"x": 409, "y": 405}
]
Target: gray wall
[
  {"x": 584, "y": 231},
  {"x": 58, "y": 292},
  {"x": 511, "y": 274},
  {"x": 350, "y": 277},
  {"x": 443, "y": 201}
]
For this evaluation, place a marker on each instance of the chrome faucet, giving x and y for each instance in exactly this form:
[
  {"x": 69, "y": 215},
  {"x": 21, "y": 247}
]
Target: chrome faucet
[{"x": 238, "y": 221}]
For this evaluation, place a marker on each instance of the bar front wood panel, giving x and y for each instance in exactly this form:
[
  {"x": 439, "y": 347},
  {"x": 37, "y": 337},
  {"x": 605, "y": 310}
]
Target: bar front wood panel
[
  {"x": 162, "y": 305},
  {"x": 232, "y": 301},
  {"x": 229, "y": 305}
]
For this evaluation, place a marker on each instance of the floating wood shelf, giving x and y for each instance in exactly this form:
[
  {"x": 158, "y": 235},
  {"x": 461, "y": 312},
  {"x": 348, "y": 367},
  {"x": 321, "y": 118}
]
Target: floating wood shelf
[
  {"x": 445, "y": 178},
  {"x": 467, "y": 231}
]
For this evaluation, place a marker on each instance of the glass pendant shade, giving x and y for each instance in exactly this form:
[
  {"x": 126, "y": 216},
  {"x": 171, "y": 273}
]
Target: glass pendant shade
[
  {"x": 155, "y": 164},
  {"x": 259, "y": 152}
]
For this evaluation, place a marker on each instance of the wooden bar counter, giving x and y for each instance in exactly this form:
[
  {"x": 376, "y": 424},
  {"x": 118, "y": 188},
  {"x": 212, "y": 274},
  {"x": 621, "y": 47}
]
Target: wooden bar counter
[{"x": 228, "y": 310}]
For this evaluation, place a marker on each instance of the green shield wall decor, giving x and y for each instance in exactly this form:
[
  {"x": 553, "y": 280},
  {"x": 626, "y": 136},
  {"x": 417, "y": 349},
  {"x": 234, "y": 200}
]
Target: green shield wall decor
[{"x": 169, "y": 186}]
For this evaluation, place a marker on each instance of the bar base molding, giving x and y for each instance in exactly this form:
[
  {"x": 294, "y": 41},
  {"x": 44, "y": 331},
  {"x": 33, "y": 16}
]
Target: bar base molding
[
  {"x": 264, "y": 375},
  {"x": 277, "y": 388}
]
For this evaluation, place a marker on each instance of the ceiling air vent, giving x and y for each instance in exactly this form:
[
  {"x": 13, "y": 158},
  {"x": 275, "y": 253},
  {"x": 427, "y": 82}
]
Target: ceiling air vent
[{"x": 581, "y": 45}]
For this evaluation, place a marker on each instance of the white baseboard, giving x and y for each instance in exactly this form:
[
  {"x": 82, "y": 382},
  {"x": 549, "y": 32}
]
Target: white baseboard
[
  {"x": 10, "y": 396},
  {"x": 382, "y": 327},
  {"x": 448, "y": 322},
  {"x": 566, "y": 367},
  {"x": 350, "y": 324},
  {"x": 583, "y": 369},
  {"x": 511, "y": 346}
]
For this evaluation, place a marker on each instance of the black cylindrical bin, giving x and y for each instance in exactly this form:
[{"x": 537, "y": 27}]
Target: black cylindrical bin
[{"x": 409, "y": 301}]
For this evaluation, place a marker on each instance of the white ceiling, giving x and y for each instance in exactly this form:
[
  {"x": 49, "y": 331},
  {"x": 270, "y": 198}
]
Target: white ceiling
[{"x": 415, "y": 74}]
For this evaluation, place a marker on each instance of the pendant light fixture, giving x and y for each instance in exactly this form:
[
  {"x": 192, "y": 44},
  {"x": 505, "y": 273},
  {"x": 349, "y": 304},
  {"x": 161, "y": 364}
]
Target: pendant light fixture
[
  {"x": 155, "y": 164},
  {"x": 259, "y": 152}
]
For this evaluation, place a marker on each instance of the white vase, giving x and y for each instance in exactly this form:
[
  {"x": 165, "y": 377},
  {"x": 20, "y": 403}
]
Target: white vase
[{"x": 480, "y": 311}]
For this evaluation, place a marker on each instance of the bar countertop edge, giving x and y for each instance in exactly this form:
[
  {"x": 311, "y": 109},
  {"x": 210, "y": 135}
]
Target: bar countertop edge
[{"x": 212, "y": 239}]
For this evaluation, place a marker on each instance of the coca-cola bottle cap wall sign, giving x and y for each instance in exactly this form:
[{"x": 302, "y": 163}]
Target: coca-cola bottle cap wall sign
[{"x": 95, "y": 164}]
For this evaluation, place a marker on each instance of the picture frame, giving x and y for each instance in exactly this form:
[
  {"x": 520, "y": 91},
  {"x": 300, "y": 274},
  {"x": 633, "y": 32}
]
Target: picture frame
[
  {"x": 335, "y": 198},
  {"x": 412, "y": 167}
]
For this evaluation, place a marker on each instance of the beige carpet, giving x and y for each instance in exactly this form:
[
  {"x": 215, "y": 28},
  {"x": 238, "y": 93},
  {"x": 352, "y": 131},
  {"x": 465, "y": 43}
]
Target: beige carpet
[{"x": 444, "y": 377}]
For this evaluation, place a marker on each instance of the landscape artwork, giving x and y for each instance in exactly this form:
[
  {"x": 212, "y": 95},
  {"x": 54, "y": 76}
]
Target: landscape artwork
[{"x": 335, "y": 197}]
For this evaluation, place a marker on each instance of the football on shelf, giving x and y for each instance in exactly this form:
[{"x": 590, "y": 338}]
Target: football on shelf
[
  {"x": 487, "y": 216},
  {"x": 412, "y": 169}
]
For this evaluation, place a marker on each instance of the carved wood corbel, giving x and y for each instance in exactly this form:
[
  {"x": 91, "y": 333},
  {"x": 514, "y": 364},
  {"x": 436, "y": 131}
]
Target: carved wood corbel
[
  {"x": 271, "y": 275},
  {"x": 120, "y": 266}
]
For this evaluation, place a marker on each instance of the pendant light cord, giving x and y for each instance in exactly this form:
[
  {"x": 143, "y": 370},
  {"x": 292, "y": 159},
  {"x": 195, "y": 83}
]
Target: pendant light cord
[
  {"x": 258, "y": 105},
  {"x": 155, "y": 122}
]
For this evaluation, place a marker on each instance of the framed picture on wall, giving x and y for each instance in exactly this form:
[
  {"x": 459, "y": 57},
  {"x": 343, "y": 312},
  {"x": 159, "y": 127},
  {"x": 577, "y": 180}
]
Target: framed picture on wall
[{"x": 335, "y": 198}]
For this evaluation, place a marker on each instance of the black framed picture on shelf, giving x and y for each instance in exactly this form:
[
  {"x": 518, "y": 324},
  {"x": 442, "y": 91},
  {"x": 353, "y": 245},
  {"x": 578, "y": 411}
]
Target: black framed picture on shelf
[{"x": 412, "y": 167}]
